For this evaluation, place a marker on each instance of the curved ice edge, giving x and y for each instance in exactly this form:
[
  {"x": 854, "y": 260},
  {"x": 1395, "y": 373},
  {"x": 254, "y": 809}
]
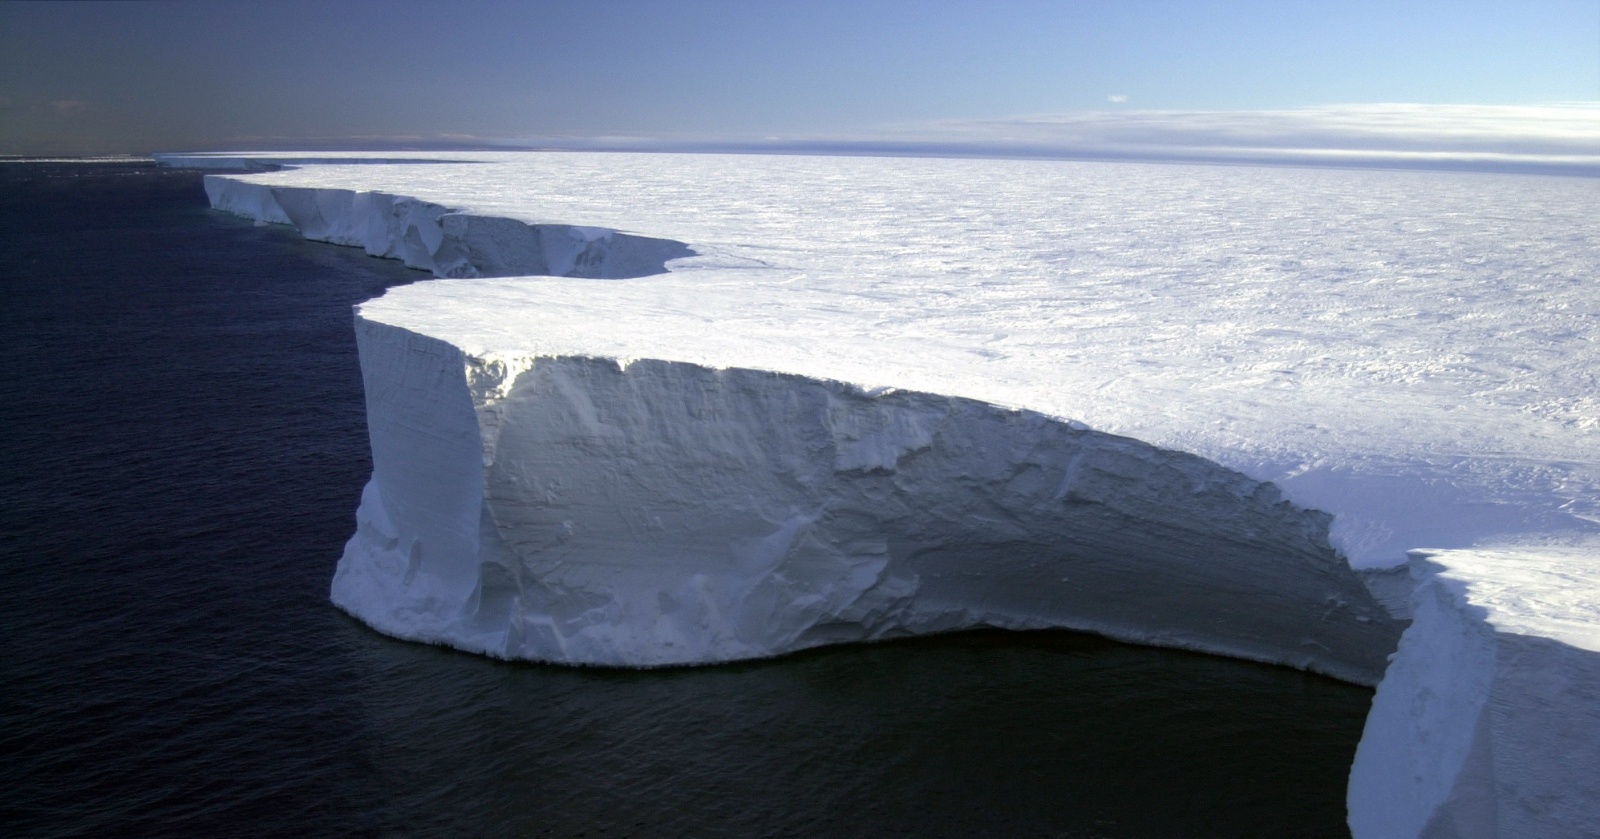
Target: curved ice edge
[
  {"x": 1412, "y": 777},
  {"x": 1487, "y": 723},
  {"x": 429, "y": 236},
  {"x": 446, "y": 242},
  {"x": 579, "y": 510}
]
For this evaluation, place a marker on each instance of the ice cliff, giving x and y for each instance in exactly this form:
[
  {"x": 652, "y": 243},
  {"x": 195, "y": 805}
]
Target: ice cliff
[
  {"x": 589, "y": 511},
  {"x": 859, "y": 432},
  {"x": 1486, "y": 723},
  {"x": 434, "y": 238},
  {"x": 643, "y": 512}
]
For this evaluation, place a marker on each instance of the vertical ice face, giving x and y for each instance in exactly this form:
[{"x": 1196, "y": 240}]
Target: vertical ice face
[
  {"x": 1488, "y": 721},
  {"x": 543, "y": 489},
  {"x": 585, "y": 510},
  {"x": 432, "y": 237},
  {"x": 578, "y": 510},
  {"x": 418, "y": 523}
]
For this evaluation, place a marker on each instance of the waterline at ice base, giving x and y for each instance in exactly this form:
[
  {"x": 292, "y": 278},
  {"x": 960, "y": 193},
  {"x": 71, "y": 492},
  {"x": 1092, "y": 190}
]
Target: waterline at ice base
[{"x": 683, "y": 409}]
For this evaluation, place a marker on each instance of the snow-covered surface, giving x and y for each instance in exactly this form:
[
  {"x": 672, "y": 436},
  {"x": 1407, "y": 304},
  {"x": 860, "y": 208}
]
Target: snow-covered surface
[
  {"x": 1488, "y": 721},
  {"x": 1414, "y": 353}
]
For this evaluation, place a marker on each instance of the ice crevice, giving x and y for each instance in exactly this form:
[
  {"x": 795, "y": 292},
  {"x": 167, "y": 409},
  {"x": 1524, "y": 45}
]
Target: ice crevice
[{"x": 572, "y": 508}]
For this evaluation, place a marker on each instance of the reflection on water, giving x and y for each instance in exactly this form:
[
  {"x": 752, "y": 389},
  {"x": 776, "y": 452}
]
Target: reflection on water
[{"x": 980, "y": 733}]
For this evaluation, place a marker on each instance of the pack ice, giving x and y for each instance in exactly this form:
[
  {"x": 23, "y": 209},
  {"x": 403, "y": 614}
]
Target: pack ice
[{"x": 845, "y": 399}]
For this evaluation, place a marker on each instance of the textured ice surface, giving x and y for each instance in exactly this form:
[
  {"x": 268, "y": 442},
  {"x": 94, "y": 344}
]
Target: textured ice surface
[
  {"x": 1412, "y": 352},
  {"x": 574, "y": 509},
  {"x": 805, "y": 432}
]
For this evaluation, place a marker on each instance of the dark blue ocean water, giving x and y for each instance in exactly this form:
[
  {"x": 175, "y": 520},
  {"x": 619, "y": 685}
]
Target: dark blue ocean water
[{"x": 182, "y": 448}]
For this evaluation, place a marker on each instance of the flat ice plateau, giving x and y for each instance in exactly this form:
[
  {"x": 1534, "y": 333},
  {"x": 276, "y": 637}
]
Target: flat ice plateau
[{"x": 850, "y": 398}]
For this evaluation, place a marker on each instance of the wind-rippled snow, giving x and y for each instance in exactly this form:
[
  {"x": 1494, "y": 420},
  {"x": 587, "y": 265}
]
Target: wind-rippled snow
[{"x": 1413, "y": 351}]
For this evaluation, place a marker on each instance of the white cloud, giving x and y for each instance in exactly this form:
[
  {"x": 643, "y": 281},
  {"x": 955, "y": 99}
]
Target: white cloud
[
  {"x": 1556, "y": 139},
  {"x": 1117, "y": 98},
  {"x": 1493, "y": 136}
]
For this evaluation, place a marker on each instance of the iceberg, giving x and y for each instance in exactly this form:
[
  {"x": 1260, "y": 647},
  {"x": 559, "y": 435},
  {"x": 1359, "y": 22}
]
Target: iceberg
[{"x": 836, "y": 399}]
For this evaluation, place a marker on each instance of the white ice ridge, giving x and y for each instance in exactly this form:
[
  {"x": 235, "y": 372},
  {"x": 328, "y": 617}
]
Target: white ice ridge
[
  {"x": 434, "y": 238},
  {"x": 846, "y": 417}
]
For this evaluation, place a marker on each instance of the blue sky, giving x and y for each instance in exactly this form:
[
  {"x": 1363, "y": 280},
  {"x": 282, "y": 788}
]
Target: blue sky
[{"x": 86, "y": 77}]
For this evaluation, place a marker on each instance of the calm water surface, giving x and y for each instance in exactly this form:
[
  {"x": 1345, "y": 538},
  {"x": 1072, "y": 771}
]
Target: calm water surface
[{"x": 183, "y": 450}]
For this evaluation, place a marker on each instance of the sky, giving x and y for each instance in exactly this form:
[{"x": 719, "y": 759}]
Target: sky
[{"x": 1131, "y": 77}]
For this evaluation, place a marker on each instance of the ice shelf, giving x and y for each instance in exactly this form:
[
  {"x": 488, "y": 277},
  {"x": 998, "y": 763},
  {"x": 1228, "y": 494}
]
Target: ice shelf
[
  {"x": 1169, "y": 404},
  {"x": 1486, "y": 722}
]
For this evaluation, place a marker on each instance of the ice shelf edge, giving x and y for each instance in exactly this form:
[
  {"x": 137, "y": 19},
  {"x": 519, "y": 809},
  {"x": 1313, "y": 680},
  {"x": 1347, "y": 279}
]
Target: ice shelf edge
[{"x": 1532, "y": 803}]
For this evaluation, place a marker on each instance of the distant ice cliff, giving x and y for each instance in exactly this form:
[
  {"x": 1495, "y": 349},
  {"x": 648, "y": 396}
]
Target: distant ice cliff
[{"x": 434, "y": 238}]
